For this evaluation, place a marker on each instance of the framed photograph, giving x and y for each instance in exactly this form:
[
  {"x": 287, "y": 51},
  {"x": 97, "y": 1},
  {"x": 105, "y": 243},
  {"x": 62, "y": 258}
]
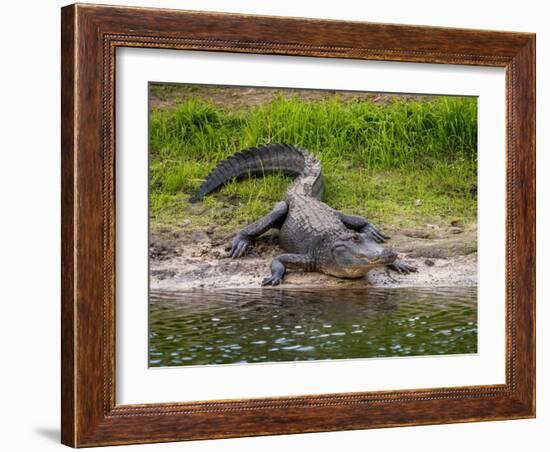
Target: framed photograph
[{"x": 281, "y": 225}]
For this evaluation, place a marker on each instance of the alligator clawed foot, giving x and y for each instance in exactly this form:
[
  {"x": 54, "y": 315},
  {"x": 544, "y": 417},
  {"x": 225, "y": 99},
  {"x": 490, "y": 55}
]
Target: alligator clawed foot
[
  {"x": 272, "y": 280},
  {"x": 402, "y": 267},
  {"x": 239, "y": 246},
  {"x": 373, "y": 232}
]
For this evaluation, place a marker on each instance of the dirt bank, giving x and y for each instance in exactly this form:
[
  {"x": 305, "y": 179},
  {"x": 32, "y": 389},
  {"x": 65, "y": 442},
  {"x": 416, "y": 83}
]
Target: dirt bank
[
  {"x": 445, "y": 255},
  {"x": 167, "y": 95}
]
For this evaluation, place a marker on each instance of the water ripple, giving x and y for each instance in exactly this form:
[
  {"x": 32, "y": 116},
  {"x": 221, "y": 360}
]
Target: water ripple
[{"x": 253, "y": 325}]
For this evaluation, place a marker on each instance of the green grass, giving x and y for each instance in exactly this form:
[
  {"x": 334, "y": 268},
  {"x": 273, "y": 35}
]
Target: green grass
[{"x": 404, "y": 163}]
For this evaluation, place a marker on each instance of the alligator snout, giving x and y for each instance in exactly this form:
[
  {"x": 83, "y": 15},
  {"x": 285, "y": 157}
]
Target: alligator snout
[{"x": 388, "y": 256}]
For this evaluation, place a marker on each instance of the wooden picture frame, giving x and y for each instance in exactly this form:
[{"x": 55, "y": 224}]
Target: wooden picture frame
[{"x": 90, "y": 36}]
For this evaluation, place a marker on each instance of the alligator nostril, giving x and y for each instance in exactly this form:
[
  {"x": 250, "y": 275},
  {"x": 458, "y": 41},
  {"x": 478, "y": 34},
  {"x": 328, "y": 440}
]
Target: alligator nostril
[{"x": 389, "y": 254}]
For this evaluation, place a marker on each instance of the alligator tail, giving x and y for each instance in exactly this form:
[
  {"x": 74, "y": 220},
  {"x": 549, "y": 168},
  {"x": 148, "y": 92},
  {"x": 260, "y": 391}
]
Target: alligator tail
[{"x": 255, "y": 162}]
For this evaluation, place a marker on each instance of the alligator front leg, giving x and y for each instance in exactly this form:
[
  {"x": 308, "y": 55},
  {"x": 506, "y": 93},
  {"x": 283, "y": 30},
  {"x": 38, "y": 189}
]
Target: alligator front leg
[
  {"x": 402, "y": 267},
  {"x": 362, "y": 226},
  {"x": 280, "y": 264},
  {"x": 243, "y": 239}
]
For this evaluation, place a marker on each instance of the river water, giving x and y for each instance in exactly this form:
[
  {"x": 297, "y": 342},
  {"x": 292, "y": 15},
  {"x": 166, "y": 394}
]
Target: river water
[{"x": 254, "y": 325}]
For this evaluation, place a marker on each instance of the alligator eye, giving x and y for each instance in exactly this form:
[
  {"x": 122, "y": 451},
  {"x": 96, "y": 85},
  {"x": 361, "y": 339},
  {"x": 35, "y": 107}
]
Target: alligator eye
[{"x": 356, "y": 238}]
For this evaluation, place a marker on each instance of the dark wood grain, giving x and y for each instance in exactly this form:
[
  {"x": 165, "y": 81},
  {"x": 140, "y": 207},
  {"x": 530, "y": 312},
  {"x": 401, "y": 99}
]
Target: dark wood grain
[
  {"x": 67, "y": 226},
  {"x": 90, "y": 36}
]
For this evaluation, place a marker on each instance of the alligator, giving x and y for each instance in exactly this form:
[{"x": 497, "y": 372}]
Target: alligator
[{"x": 314, "y": 236}]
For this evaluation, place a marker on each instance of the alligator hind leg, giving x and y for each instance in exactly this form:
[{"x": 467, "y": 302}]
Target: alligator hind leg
[
  {"x": 243, "y": 239},
  {"x": 362, "y": 226},
  {"x": 280, "y": 264}
]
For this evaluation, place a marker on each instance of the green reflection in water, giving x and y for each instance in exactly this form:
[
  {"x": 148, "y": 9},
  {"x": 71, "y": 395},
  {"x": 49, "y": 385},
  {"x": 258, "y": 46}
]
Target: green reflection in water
[{"x": 255, "y": 325}]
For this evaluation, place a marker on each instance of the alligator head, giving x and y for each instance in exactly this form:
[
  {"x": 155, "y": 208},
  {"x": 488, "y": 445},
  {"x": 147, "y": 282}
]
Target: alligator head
[{"x": 352, "y": 255}]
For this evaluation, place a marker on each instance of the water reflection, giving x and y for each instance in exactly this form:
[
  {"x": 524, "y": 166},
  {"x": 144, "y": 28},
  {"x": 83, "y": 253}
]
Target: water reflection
[{"x": 248, "y": 326}]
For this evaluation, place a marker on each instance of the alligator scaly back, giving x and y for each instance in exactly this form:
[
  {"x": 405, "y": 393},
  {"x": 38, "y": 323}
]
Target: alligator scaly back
[{"x": 265, "y": 159}]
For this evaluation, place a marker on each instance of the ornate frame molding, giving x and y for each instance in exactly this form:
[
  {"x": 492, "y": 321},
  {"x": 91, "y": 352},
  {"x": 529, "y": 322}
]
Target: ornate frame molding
[{"x": 90, "y": 37}]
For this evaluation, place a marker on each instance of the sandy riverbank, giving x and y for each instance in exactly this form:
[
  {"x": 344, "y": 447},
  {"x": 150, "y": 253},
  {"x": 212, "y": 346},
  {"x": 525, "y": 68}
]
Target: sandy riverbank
[{"x": 445, "y": 255}]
